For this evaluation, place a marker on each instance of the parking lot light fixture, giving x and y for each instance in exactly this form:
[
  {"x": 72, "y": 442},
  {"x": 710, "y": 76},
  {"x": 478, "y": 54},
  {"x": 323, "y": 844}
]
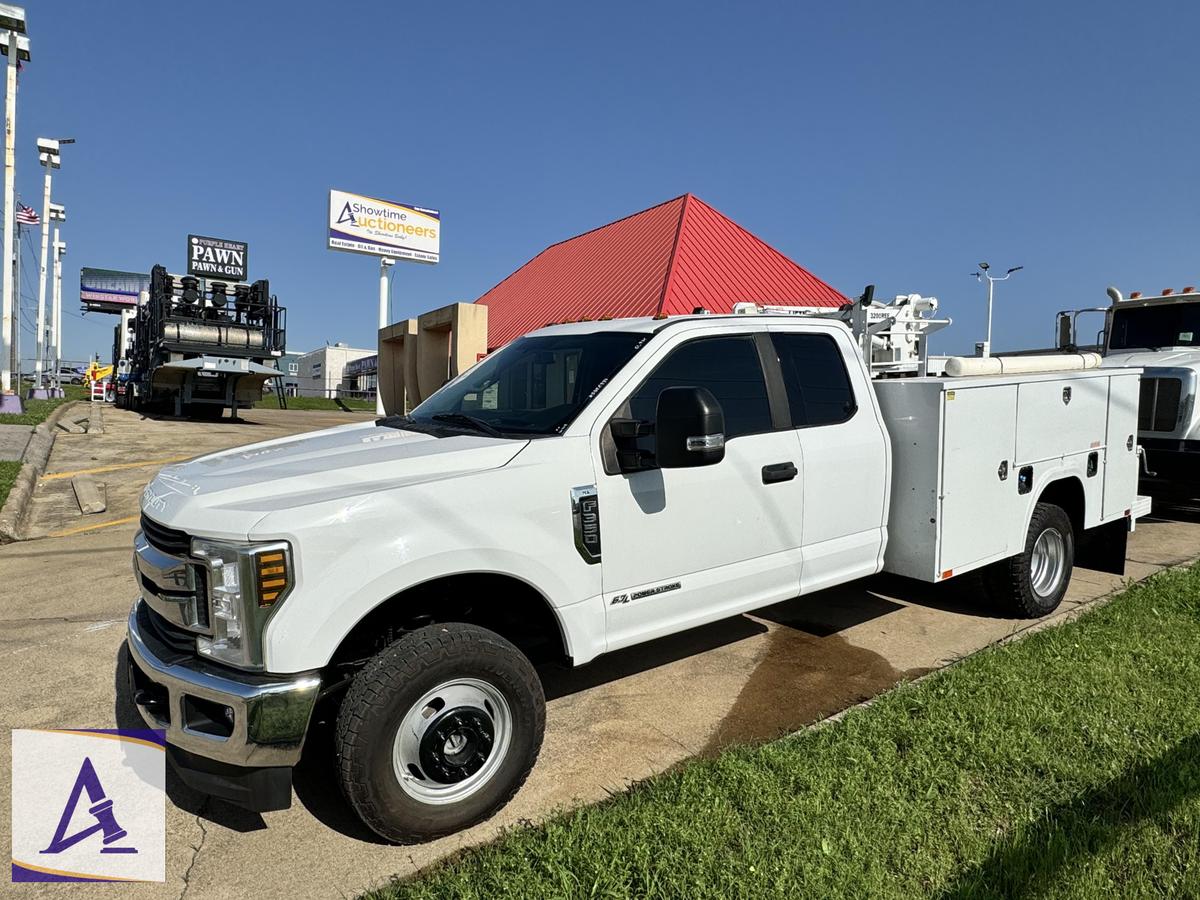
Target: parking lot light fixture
[
  {"x": 60, "y": 250},
  {"x": 50, "y": 156},
  {"x": 985, "y": 349}
]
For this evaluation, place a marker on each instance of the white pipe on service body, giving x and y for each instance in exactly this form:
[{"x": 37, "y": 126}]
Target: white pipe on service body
[
  {"x": 960, "y": 366},
  {"x": 384, "y": 264}
]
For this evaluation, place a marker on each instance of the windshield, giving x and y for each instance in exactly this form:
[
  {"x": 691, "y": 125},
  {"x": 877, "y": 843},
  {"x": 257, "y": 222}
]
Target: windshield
[
  {"x": 534, "y": 386},
  {"x": 1167, "y": 325}
]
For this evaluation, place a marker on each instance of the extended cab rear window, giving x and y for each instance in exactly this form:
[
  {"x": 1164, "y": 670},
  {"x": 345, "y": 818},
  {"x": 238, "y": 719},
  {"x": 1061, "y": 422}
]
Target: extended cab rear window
[{"x": 814, "y": 374}]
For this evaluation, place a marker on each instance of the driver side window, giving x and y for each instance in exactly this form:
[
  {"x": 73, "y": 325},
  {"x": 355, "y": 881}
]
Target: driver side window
[{"x": 727, "y": 366}]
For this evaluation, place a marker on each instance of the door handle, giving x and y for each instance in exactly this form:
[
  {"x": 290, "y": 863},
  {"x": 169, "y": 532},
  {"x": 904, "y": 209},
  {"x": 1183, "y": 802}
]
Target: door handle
[{"x": 784, "y": 471}]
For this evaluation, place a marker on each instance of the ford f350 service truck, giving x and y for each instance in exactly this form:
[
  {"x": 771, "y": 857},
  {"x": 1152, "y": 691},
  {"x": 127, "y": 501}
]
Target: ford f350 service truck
[{"x": 589, "y": 487}]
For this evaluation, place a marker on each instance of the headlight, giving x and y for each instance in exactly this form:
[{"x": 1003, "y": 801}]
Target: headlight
[{"x": 245, "y": 582}]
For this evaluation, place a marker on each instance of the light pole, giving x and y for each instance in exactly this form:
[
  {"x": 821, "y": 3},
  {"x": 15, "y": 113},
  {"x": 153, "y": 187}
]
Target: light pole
[
  {"x": 384, "y": 264},
  {"x": 47, "y": 324},
  {"x": 60, "y": 250},
  {"x": 985, "y": 349},
  {"x": 50, "y": 158},
  {"x": 14, "y": 44}
]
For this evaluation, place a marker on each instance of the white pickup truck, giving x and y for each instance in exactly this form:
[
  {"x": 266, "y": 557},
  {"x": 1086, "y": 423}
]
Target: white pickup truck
[{"x": 589, "y": 487}]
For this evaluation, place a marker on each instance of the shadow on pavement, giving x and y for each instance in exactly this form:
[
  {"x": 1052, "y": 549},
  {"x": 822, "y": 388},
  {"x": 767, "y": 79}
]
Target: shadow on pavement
[{"x": 559, "y": 681}]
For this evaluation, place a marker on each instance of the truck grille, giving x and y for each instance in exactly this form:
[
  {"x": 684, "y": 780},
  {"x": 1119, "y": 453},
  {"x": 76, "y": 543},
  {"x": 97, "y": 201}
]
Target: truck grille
[
  {"x": 1158, "y": 405},
  {"x": 174, "y": 637},
  {"x": 187, "y": 587},
  {"x": 168, "y": 540}
]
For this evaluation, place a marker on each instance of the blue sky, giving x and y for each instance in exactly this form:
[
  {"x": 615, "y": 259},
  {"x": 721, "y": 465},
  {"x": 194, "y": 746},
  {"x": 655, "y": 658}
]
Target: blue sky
[{"x": 894, "y": 143}]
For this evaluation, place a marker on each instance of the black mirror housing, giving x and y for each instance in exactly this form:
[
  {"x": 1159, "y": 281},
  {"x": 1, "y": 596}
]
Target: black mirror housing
[{"x": 689, "y": 428}]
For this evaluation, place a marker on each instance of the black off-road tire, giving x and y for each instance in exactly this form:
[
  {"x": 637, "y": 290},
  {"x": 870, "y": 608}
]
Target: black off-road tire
[
  {"x": 1010, "y": 582},
  {"x": 385, "y": 690}
]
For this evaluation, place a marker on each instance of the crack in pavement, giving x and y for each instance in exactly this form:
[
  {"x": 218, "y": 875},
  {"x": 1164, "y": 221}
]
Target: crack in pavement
[
  {"x": 187, "y": 875},
  {"x": 76, "y": 620}
]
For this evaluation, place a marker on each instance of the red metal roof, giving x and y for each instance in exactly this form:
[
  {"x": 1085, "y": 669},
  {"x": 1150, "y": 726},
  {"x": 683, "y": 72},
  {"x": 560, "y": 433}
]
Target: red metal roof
[{"x": 668, "y": 259}]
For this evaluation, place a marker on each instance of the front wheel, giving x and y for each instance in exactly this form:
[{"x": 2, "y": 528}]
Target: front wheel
[
  {"x": 438, "y": 731},
  {"x": 1033, "y": 583}
]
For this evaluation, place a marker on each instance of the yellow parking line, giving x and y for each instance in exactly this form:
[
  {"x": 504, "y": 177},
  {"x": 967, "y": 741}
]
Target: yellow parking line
[
  {"x": 116, "y": 467},
  {"x": 81, "y": 529}
]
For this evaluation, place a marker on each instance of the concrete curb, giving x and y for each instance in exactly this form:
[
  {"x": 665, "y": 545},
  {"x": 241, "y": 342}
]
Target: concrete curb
[{"x": 33, "y": 463}]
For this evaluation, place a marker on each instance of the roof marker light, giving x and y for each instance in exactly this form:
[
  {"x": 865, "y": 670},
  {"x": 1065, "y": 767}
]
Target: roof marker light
[
  {"x": 1190, "y": 289},
  {"x": 1168, "y": 291},
  {"x": 1134, "y": 295}
]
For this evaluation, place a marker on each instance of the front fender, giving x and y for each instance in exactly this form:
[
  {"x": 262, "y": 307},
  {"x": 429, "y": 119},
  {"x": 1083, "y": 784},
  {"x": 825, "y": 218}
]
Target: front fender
[
  {"x": 354, "y": 554},
  {"x": 306, "y": 635}
]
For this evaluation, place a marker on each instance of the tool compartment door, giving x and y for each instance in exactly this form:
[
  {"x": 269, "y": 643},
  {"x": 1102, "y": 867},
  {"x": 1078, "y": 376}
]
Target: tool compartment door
[
  {"x": 976, "y": 504},
  {"x": 1060, "y": 417},
  {"x": 1121, "y": 462}
]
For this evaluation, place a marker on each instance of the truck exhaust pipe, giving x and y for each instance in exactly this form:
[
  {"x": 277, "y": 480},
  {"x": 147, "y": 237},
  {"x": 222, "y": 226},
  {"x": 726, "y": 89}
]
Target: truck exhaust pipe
[{"x": 1113, "y": 294}]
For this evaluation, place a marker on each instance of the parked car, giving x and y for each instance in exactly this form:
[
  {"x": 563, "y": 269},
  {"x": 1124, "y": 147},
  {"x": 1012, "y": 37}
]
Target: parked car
[{"x": 589, "y": 487}]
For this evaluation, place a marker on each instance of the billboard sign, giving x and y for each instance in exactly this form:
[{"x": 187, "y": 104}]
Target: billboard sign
[
  {"x": 361, "y": 224},
  {"x": 217, "y": 258},
  {"x": 110, "y": 291}
]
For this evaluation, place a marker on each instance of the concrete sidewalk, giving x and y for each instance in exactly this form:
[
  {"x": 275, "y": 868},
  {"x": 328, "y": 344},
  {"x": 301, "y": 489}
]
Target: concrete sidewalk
[
  {"x": 13, "y": 440},
  {"x": 63, "y": 603}
]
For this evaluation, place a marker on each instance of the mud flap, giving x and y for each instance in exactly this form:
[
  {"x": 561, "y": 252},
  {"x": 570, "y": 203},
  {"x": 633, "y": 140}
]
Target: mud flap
[{"x": 1103, "y": 548}]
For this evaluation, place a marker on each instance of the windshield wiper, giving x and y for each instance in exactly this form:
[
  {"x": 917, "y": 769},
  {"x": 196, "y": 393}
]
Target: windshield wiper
[
  {"x": 394, "y": 421},
  {"x": 470, "y": 421}
]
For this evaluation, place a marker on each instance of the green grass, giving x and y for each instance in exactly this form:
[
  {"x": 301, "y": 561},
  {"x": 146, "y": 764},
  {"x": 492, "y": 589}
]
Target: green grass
[
  {"x": 8, "y": 475},
  {"x": 1063, "y": 765},
  {"x": 36, "y": 411},
  {"x": 313, "y": 403}
]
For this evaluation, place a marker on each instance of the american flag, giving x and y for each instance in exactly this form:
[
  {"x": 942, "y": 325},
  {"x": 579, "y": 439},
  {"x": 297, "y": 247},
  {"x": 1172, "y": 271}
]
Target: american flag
[{"x": 25, "y": 215}]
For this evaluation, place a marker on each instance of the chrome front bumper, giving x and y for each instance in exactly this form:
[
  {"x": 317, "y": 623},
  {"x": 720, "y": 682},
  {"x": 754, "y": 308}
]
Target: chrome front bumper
[{"x": 239, "y": 718}]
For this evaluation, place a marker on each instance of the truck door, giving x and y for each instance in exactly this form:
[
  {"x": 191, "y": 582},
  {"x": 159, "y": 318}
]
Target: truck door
[
  {"x": 845, "y": 452},
  {"x": 686, "y": 546}
]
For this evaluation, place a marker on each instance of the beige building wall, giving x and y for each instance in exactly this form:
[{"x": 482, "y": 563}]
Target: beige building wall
[{"x": 417, "y": 356}]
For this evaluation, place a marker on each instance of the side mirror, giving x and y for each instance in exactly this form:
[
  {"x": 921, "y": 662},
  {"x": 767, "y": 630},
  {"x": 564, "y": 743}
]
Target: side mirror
[{"x": 689, "y": 428}]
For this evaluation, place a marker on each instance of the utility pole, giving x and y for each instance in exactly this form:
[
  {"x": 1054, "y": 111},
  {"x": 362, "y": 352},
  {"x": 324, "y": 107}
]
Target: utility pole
[
  {"x": 985, "y": 349},
  {"x": 15, "y": 45},
  {"x": 385, "y": 263}
]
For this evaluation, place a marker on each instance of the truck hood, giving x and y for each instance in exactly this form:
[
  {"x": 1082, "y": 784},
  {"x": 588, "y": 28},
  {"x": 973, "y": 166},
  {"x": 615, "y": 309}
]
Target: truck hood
[
  {"x": 226, "y": 493},
  {"x": 1152, "y": 358}
]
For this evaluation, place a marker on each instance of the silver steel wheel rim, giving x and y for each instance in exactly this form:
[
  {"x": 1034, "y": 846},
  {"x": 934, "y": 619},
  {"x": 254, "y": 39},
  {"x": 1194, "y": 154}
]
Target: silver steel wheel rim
[
  {"x": 473, "y": 699},
  {"x": 1048, "y": 562}
]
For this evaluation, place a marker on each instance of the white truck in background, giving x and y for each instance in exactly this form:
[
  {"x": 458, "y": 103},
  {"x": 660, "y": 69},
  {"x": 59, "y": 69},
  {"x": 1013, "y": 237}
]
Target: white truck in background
[
  {"x": 1160, "y": 334},
  {"x": 589, "y": 487}
]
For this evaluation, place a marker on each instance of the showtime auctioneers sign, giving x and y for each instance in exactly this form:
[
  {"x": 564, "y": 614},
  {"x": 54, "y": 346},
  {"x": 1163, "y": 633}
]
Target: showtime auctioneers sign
[{"x": 382, "y": 228}]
